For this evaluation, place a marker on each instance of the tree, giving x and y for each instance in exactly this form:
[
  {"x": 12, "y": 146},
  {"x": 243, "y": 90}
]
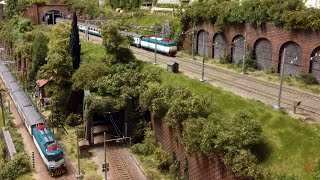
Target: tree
[
  {"x": 58, "y": 67},
  {"x": 75, "y": 42},
  {"x": 116, "y": 45},
  {"x": 39, "y": 54},
  {"x": 84, "y": 76}
]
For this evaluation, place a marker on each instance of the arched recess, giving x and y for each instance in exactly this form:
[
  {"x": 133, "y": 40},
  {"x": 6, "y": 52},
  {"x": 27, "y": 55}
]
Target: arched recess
[
  {"x": 263, "y": 53},
  {"x": 51, "y": 16},
  {"x": 315, "y": 63},
  {"x": 293, "y": 58},
  {"x": 237, "y": 48},
  {"x": 202, "y": 43},
  {"x": 219, "y": 45}
]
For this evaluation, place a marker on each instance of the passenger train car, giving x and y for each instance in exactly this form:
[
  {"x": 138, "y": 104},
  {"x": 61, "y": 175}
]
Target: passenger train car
[
  {"x": 164, "y": 46},
  {"x": 49, "y": 149}
]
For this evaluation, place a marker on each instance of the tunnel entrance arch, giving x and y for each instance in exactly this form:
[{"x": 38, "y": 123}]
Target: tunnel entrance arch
[{"x": 51, "y": 16}]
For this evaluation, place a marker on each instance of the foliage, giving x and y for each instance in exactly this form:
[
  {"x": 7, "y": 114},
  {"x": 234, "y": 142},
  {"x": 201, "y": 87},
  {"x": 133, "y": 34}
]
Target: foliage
[
  {"x": 163, "y": 160},
  {"x": 39, "y": 53},
  {"x": 284, "y": 176},
  {"x": 191, "y": 137},
  {"x": 308, "y": 79},
  {"x": 149, "y": 144},
  {"x": 73, "y": 119},
  {"x": 291, "y": 14},
  {"x": 242, "y": 132},
  {"x": 316, "y": 170},
  {"x": 116, "y": 45},
  {"x": 176, "y": 104},
  {"x": 58, "y": 66},
  {"x": 83, "y": 77},
  {"x": 224, "y": 59},
  {"x": 14, "y": 7},
  {"x": 249, "y": 63},
  {"x": 75, "y": 42},
  {"x": 17, "y": 166}
]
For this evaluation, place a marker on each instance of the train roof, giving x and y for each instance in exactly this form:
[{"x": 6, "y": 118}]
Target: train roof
[
  {"x": 32, "y": 116},
  {"x": 127, "y": 33},
  {"x": 161, "y": 41},
  {"x": 47, "y": 141}
]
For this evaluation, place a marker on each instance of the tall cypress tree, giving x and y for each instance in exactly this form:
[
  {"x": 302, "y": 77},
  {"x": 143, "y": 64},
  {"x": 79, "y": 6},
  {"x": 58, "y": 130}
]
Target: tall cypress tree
[{"x": 75, "y": 42}]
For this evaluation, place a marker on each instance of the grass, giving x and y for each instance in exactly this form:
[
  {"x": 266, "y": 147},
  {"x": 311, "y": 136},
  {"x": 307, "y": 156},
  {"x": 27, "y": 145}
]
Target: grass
[
  {"x": 68, "y": 141},
  {"x": 148, "y": 162},
  {"x": 91, "y": 52},
  {"x": 290, "y": 145}
]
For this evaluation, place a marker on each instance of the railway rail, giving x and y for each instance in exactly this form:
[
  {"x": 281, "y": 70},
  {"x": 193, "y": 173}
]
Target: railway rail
[
  {"x": 195, "y": 68},
  {"x": 310, "y": 105},
  {"x": 120, "y": 160}
]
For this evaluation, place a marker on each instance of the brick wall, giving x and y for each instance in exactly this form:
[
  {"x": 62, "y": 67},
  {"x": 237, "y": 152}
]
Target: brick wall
[
  {"x": 199, "y": 166},
  {"x": 35, "y": 12},
  {"x": 279, "y": 38}
]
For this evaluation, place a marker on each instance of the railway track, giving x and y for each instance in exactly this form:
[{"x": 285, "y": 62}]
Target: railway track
[
  {"x": 121, "y": 162},
  {"x": 309, "y": 106},
  {"x": 195, "y": 68}
]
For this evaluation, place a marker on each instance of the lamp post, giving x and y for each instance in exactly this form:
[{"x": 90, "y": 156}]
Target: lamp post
[{"x": 155, "y": 47}]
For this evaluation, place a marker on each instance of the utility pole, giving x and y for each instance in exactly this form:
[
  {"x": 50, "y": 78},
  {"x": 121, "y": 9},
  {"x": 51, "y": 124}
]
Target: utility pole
[
  {"x": 202, "y": 72},
  {"x": 244, "y": 55},
  {"x": 78, "y": 152},
  {"x": 155, "y": 48},
  {"x": 2, "y": 109},
  {"x": 105, "y": 155},
  {"x": 281, "y": 78},
  {"x": 192, "y": 43},
  {"x": 87, "y": 33}
]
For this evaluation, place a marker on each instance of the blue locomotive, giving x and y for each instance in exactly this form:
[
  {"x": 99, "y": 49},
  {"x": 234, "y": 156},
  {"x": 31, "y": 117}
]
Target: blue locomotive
[
  {"x": 164, "y": 46},
  {"x": 49, "y": 149}
]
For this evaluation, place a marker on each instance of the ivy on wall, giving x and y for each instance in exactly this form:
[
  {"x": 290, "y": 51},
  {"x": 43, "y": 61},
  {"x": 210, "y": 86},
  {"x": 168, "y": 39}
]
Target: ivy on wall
[{"x": 290, "y": 14}]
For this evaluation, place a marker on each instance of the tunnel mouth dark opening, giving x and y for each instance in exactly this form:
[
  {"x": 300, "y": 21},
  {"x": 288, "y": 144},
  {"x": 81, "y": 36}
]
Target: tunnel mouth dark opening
[{"x": 51, "y": 16}]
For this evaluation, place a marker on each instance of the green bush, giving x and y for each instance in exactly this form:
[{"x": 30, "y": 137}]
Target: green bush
[
  {"x": 224, "y": 59},
  {"x": 73, "y": 119},
  {"x": 308, "y": 79},
  {"x": 149, "y": 144},
  {"x": 316, "y": 171},
  {"x": 20, "y": 164},
  {"x": 163, "y": 160}
]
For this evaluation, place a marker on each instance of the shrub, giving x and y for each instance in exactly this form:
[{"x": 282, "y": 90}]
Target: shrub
[
  {"x": 73, "y": 119},
  {"x": 316, "y": 171},
  {"x": 224, "y": 59},
  {"x": 17, "y": 166},
  {"x": 191, "y": 137},
  {"x": 163, "y": 160},
  {"x": 308, "y": 79},
  {"x": 149, "y": 144}
]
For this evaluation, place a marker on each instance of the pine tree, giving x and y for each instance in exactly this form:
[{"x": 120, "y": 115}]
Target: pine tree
[{"x": 75, "y": 43}]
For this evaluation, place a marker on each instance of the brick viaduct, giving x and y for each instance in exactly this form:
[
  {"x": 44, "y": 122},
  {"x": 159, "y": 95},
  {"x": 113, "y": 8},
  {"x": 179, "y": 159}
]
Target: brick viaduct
[{"x": 267, "y": 44}]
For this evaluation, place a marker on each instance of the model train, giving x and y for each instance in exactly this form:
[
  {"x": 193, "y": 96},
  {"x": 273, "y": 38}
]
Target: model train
[
  {"x": 49, "y": 149},
  {"x": 163, "y": 46}
]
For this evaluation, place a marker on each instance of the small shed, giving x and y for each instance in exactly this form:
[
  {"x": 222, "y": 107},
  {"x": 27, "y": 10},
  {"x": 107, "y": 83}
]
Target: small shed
[{"x": 173, "y": 66}]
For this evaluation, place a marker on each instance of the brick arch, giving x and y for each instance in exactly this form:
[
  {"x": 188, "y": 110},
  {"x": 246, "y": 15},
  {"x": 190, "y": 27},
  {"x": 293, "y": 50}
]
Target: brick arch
[
  {"x": 202, "y": 42},
  {"x": 237, "y": 48},
  {"x": 36, "y": 12},
  {"x": 262, "y": 50},
  {"x": 292, "y": 58},
  {"x": 314, "y": 68},
  {"x": 219, "y": 45}
]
